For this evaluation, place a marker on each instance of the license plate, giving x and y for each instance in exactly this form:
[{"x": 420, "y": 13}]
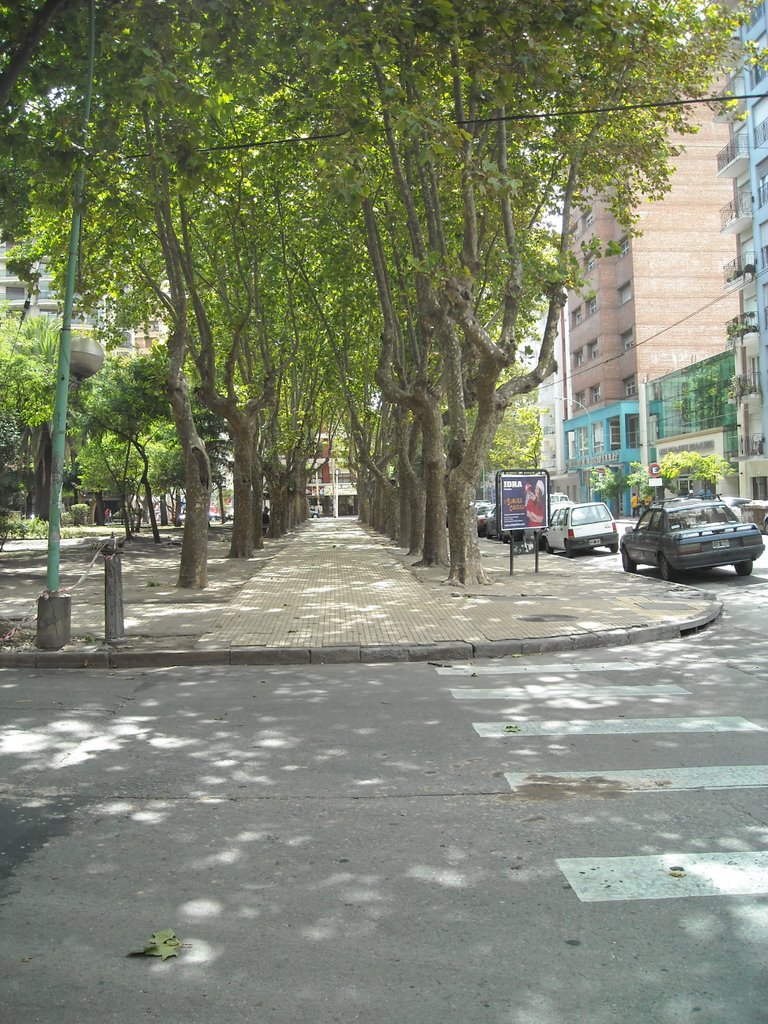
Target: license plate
[
  {"x": 721, "y": 543},
  {"x": 594, "y": 542}
]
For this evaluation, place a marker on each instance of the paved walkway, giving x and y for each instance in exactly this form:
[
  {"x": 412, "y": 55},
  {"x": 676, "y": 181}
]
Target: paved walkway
[{"x": 335, "y": 591}]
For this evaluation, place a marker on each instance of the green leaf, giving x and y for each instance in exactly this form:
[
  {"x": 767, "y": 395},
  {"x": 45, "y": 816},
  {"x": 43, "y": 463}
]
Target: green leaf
[{"x": 164, "y": 944}]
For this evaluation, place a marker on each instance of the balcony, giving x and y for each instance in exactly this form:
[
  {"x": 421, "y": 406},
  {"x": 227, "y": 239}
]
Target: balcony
[
  {"x": 740, "y": 272},
  {"x": 739, "y": 327},
  {"x": 746, "y": 384},
  {"x": 737, "y": 214},
  {"x": 733, "y": 159},
  {"x": 751, "y": 444},
  {"x": 728, "y": 111}
]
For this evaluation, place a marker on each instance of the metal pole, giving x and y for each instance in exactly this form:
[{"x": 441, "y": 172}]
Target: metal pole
[
  {"x": 65, "y": 342},
  {"x": 53, "y": 608}
]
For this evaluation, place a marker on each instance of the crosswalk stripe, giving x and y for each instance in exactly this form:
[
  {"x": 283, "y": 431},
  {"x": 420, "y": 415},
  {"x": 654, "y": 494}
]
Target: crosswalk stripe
[
  {"x": 667, "y": 876},
  {"x": 614, "y": 726},
  {"x": 556, "y": 668},
  {"x": 547, "y": 690},
  {"x": 655, "y": 780}
]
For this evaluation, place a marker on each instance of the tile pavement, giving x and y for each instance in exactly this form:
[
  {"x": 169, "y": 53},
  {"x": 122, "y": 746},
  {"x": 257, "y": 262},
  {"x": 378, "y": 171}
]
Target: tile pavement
[{"x": 335, "y": 590}]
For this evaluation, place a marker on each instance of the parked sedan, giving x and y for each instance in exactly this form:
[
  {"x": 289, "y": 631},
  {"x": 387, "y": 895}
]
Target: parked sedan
[
  {"x": 581, "y": 527},
  {"x": 482, "y": 508},
  {"x": 491, "y": 525},
  {"x": 691, "y": 535}
]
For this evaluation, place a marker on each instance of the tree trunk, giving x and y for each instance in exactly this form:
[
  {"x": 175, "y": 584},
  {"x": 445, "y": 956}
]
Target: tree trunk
[
  {"x": 42, "y": 479},
  {"x": 435, "y": 548},
  {"x": 466, "y": 560},
  {"x": 148, "y": 492},
  {"x": 193, "y": 570},
  {"x": 243, "y": 533}
]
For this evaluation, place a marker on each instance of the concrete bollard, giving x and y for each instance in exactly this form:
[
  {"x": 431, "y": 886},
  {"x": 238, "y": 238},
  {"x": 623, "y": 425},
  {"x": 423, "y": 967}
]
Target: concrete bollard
[
  {"x": 54, "y": 621},
  {"x": 114, "y": 625}
]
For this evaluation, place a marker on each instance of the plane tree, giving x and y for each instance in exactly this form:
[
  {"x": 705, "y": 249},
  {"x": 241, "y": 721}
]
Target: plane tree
[{"x": 466, "y": 134}]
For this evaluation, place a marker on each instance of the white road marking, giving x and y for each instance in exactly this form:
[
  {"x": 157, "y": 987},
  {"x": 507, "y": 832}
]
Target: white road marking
[
  {"x": 547, "y": 690},
  {"x": 615, "y": 726},
  {"x": 556, "y": 668},
  {"x": 655, "y": 780},
  {"x": 668, "y": 876}
]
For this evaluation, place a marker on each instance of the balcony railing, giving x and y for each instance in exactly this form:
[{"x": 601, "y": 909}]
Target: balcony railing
[
  {"x": 751, "y": 444},
  {"x": 739, "y": 207},
  {"x": 747, "y": 384},
  {"x": 741, "y": 270},
  {"x": 737, "y": 148},
  {"x": 744, "y": 323}
]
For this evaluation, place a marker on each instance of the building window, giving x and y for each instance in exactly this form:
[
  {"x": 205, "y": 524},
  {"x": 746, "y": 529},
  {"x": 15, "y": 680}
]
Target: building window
[
  {"x": 630, "y": 386},
  {"x": 592, "y": 350},
  {"x": 597, "y": 437},
  {"x": 614, "y": 427},
  {"x": 591, "y": 263},
  {"x": 582, "y": 441},
  {"x": 594, "y": 394},
  {"x": 628, "y": 339},
  {"x": 578, "y": 315},
  {"x": 579, "y": 398},
  {"x": 587, "y": 220},
  {"x": 592, "y": 307},
  {"x": 633, "y": 430},
  {"x": 578, "y": 357},
  {"x": 623, "y": 247},
  {"x": 625, "y": 293}
]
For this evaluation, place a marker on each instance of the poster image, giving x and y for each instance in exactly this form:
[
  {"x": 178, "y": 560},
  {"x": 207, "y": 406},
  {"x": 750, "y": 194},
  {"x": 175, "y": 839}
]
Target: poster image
[{"x": 523, "y": 499}]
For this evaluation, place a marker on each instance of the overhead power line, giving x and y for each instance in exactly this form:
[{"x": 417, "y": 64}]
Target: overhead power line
[{"x": 532, "y": 116}]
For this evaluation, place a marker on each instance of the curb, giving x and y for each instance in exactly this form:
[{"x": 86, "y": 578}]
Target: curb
[{"x": 115, "y": 658}]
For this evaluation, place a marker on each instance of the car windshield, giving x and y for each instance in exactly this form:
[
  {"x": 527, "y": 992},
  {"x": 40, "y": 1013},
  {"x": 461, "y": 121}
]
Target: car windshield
[
  {"x": 590, "y": 514},
  {"x": 693, "y": 518}
]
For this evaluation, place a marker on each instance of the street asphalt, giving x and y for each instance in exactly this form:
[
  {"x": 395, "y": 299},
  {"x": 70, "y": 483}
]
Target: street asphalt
[{"x": 571, "y": 836}]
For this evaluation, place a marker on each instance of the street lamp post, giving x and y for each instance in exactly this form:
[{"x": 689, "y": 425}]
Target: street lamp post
[{"x": 53, "y": 608}]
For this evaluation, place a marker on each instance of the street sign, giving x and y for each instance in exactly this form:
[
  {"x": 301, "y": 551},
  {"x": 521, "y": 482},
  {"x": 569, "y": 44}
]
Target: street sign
[{"x": 654, "y": 469}]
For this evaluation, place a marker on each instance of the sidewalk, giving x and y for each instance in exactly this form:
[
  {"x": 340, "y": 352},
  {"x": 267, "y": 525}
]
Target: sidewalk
[{"x": 335, "y": 591}]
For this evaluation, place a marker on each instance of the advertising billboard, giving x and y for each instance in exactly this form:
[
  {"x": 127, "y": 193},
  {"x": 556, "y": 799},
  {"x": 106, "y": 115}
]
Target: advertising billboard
[{"x": 522, "y": 499}]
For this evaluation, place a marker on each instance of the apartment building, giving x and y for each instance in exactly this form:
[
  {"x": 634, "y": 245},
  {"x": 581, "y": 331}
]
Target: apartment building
[
  {"x": 743, "y": 163},
  {"x": 17, "y": 293},
  {"x": 660, "y": 304}
]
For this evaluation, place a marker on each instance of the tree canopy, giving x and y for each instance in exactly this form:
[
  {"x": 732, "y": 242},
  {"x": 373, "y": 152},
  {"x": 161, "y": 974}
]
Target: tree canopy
[{"x": 348, "y": 212}]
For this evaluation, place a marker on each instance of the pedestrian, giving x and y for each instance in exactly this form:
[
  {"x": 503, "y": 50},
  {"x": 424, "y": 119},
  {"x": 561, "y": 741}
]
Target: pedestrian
[
  {"x": 634, "y": 502},
  {"x": 265, "y": 520}
]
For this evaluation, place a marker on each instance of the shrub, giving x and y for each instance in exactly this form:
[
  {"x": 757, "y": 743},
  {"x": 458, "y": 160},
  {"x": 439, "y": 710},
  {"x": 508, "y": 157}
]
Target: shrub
[{"x": 80, "y": 514}]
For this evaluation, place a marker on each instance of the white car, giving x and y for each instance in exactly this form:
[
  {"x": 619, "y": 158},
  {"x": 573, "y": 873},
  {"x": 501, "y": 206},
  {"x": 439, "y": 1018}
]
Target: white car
[
  {"x": 558, "y": 498},
  {"x": 580, "y": 527}
]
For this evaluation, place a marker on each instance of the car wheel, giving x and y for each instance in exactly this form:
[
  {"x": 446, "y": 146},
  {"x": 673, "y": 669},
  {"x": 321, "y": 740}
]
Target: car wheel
[
  {"x": 569, "y": 552},
  {"x": 743, "y": 568},
  {"x": 613, "y": 548},
  {"x": 666, "y": 570},
  {"x": 544, "y": 545},
  {"x": 628, "y": 564}
]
